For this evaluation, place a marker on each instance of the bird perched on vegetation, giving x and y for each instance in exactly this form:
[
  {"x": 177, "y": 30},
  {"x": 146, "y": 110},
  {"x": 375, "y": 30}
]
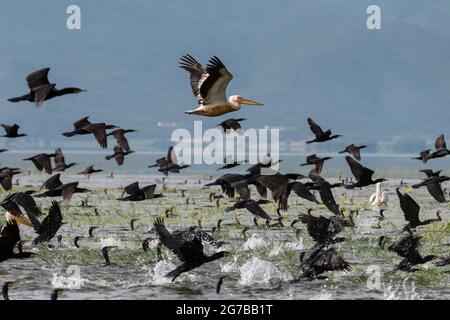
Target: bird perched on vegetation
[
  {"x": 321, "y": 136},
  {"x": 354, "y": 150},
  {"x": 209, "y": 86},
  {"x": 41, "y": 89},
  {"x": 190, "y": 252}
]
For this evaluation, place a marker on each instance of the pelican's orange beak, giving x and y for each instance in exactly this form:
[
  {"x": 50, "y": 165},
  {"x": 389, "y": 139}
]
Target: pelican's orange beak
[
  {"x": 249, "y": 102},
  {"x": 18, "y": 219}
]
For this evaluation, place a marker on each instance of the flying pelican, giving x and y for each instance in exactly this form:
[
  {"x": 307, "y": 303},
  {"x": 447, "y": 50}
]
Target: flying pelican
[
  {"x": 209, "y": 86},
  {"x": 380, "y": 197}
]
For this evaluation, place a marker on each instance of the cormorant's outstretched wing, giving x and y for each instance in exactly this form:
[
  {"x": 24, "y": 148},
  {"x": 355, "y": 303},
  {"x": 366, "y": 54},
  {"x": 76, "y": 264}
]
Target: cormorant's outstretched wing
[
  {"x": 255, "y": 209},
  {"x": 149, "y": 191},
  {"x": 434, "y": 188},
  {"x": 359, "y": 171},
  {"x": 53, "y": 182},
  {"x": 39, "y": 84},
  {"x": 315, "y": 128},
  {"x": 168, "y": 240},
  {"x": 330, "y": 260},
  {"x": 302, "y": 191},
  {"x": 409, "y": 207},
  {"x": 132, "y": 188},
  {"x": 80, "y": 124},
  {"x": 50, "y": 225}
]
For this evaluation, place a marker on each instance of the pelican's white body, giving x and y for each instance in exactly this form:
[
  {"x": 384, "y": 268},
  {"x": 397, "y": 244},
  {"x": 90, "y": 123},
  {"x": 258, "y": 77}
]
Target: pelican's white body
[{"x": 379, "y": 198}]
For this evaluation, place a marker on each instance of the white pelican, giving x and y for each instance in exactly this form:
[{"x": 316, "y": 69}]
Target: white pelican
[
  {"x": 380, "y": 197},
  {"x": 209, "y": 86}
]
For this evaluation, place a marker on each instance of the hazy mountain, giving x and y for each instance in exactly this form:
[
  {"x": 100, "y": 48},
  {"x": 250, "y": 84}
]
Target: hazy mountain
[{"x": 301, "y": 58}]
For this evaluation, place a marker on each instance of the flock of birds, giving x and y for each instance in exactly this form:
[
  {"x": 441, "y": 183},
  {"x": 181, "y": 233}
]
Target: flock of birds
[{"x": 209, "y": 85}]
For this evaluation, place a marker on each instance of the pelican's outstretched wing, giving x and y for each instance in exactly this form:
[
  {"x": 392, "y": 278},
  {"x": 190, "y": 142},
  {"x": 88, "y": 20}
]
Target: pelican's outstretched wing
[{"x": 208, "y": 84}]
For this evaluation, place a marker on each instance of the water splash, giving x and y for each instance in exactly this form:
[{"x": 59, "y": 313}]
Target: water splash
[
  {"x": 401, "y": 291},
  {"x": 255, "y": 241},
  {"x": 261, "y": 271}
]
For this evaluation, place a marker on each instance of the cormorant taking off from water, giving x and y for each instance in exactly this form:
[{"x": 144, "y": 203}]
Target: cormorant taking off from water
[
  {"x": 362, "y": 174},
  {"x": 119, "y": 135},
  {"x": 42, "y": 162},
  {"x": 209, "y": 86},
  {"x": 316, "y": 161},
  {"x": 60, "y": 162},
  {"x": 354, "y": 150},
  {"x": 139, "y": 194},
  {"x": 41, "y": 89},
  {"x": 407, "y": 248},
  {"x": 190, "y": 251},
  {"x": 321, "y": 136},
  {"x": 411, "y": 211},
  {"x": 317, "y": 260},
  {"x": 433, "y": 185},
  {"x": 118, "y": 155},
  {"x": 12, "y": 131},
  {"x": 323, "y": 230},
  {"x": 232, "y": 124}
]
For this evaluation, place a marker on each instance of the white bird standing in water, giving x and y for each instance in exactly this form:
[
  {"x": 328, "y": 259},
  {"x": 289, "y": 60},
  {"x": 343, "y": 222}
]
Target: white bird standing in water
[
  {"x": 209, "y": 86},
  {"x": 380, "y": 197}
]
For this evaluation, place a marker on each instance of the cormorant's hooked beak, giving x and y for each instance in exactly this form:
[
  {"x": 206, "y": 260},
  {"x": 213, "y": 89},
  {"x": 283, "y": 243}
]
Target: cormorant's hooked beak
[
  {"x": 18, "y": 219},
  {"x": 249, "y": 102}
]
